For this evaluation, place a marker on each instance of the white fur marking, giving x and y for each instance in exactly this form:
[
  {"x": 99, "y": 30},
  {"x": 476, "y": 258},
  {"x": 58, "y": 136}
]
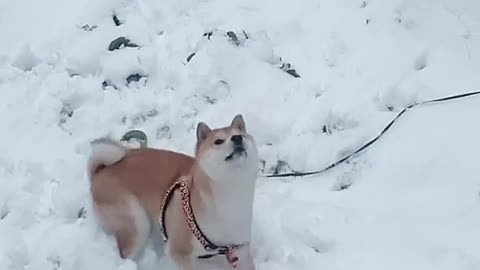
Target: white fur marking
[{"x": 142, "y": 224}]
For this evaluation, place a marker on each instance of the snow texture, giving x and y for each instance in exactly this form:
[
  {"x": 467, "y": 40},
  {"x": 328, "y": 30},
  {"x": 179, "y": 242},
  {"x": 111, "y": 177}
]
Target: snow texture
[{"x": 314, "y": 80}]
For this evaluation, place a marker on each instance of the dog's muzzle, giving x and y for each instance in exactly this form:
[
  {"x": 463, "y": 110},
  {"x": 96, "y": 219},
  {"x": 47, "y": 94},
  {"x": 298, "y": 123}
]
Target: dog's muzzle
[{"x": 238, "y": 148}]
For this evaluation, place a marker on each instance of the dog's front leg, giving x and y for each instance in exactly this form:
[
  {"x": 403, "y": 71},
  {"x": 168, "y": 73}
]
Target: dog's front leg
[
  {"x": 246, "y": 260},
  {"x": 182, "y": 262}
]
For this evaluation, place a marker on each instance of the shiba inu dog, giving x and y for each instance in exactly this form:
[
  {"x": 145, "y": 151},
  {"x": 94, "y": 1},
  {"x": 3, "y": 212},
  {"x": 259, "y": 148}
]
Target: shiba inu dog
[{"x": 202, "y": 204}]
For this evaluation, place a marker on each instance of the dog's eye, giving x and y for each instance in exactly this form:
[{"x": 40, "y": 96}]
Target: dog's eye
[{"x": 219, "y": 141}]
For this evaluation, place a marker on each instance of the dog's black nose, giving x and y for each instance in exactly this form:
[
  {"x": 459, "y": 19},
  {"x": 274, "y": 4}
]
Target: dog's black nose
[{"x": 237, "y": 139}]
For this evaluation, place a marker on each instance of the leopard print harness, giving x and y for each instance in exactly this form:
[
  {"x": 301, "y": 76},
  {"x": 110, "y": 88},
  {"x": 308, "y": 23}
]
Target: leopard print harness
[{"x": 182, "y": 185}]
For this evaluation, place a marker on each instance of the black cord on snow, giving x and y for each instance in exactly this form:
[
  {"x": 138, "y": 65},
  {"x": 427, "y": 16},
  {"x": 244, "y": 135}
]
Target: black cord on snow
[{"x": 372, "y": 141}]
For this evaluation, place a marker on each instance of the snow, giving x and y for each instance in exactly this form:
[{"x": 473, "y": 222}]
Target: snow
[{"x": 411, "y": 202}]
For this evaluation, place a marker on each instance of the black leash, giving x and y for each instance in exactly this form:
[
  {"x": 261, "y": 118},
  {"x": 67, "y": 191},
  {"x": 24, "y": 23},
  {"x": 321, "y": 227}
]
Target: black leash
[{"x": 372, "y": 141}]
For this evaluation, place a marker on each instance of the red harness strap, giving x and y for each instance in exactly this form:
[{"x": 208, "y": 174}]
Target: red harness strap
[{"x": 228, "y": 251}]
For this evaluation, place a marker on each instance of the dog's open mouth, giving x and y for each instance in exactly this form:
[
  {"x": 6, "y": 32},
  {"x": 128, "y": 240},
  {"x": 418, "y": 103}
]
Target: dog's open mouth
[{"x": 237, "y": 152}]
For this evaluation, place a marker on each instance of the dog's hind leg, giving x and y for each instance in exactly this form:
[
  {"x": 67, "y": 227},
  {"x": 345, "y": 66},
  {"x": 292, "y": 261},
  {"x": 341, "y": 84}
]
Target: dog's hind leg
[{"x": 128, "y": 222}]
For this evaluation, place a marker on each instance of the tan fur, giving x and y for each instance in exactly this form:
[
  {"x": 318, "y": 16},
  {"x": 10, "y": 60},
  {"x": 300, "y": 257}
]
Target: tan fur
[
  {"x": 133, "y": 186},
  {"x": 144, "y": 173}
]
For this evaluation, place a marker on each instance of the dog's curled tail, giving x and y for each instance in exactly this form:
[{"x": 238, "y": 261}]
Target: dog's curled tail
[{"x": 104, "y": 152}]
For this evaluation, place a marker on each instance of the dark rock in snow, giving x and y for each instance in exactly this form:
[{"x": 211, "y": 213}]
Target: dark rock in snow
[
  {"x": 326, "y": 130},
  {"x": 108, "y": 83},
  {"x": 233, "y": 37},
  {"x": 136, "y": 135},
  {"x": 288, "y": 69},
  {"x": 190, "y": 57},
  {"x": 237, "y": 40},
  {"x": 88, "y": 28},
  {"x": 134, "y": 77},
  {"x": 208, "y": 34},
  {"x": 118, "y": 42},
  {"x": 116, "y": 20},
  {"x": 82, "y": 213},
  {"x": 293, "y": 72}
]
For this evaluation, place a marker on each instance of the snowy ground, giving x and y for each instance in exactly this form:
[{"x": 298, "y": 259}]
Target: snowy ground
[{"x": 413, "y": 200}]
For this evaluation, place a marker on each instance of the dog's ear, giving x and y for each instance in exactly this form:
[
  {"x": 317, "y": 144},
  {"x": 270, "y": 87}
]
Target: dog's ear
[
  {"x": 202, "y": 132},
  {"x": 238, "y": 122}
]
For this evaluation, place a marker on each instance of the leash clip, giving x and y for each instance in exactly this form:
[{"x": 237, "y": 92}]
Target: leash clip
[{"x": 231, "y": 258}]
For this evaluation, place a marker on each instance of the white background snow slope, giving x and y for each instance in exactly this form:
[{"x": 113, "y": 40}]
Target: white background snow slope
[{"x": 413, "y": 200}]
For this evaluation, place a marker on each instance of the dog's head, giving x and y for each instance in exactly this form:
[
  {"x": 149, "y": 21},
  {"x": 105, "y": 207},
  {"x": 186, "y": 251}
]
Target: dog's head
[{"x": 222, "y": 150}]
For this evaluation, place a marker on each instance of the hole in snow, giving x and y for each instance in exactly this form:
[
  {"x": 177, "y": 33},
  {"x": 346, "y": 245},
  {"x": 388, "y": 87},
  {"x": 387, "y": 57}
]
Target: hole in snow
[
  {"x": 55, "y": 261},
  {"x": 321, "y": 247},
  {"x": 344, "y": 187},
  {"x": 281, "y": 167},
  {"x": 65, "y": 113},
  {"x": 26, "y": 59},
  {"x": 141, "y": 117},
  {"x": 3, "y": 214},
  {"x": 263, "y": 163},
  {"x": 210, "y": 100},
  {"x": 344, "y": 182},
  {"x": 421, "y": 61},
  {"x": 466, "y": 35},
  {"x": 164, "y": 132},
  {"x": 82, "y": 213},
  {"x": 338, "y": 123}
]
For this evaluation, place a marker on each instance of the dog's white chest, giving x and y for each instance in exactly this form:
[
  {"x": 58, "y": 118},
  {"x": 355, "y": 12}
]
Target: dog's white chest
[{"x": 228, "y": 219}]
